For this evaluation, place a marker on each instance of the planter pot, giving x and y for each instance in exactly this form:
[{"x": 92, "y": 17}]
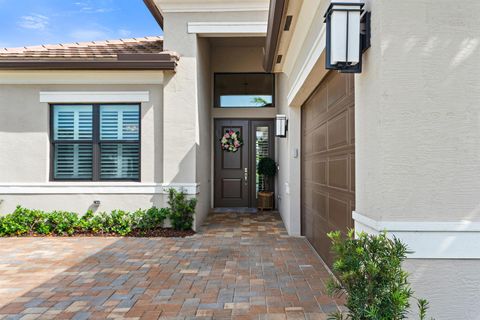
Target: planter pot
[{"x": 265, "y": 200}]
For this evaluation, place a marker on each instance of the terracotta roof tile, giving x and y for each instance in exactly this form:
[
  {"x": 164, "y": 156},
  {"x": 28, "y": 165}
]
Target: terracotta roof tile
[{"x": 95, "y": 50}]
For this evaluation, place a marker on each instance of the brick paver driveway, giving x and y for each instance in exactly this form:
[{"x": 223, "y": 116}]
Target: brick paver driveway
[{"x": 241, "y": 266}]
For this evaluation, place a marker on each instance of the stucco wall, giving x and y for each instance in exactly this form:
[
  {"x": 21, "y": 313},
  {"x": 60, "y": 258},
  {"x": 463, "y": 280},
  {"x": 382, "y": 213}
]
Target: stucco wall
[
  {"x": 418, "y": 139},
  {"x": 288, "y": 158},
  {"x": 452, "y": 287},
  {"x": 25, "y": 145},
  {"x": 204, "y": 144},
  {"x": 417, "y": 113},
  {"x": 188, "y": 99}
]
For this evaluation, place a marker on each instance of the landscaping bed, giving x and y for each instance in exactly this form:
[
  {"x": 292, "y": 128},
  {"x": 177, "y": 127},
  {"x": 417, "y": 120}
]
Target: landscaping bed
[
  {"x": 158, "y": 232},
  {"x": 139, "y": 223}
]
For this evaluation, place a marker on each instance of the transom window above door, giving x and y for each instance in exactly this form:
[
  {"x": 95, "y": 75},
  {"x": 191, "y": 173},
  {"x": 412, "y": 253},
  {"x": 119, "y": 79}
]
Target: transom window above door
[
  {"x": 95, "y": 142},
  {"x": 244, "y": 90}
]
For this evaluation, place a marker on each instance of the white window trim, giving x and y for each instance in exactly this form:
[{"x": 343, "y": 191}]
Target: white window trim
[
  {"x": 96, "y": 188},
  {"x": 429, "y": 239},
  {"x": 217, "y": 29},
  {"x": 94, "y": 96}
]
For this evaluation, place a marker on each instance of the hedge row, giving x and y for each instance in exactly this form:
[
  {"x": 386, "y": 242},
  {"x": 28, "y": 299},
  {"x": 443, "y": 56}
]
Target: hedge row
[{"x": 118, "y": 222}]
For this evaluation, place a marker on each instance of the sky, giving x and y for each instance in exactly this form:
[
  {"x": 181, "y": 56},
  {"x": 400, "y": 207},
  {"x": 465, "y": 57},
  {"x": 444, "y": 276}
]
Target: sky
[{"x": 34, "y": 22}]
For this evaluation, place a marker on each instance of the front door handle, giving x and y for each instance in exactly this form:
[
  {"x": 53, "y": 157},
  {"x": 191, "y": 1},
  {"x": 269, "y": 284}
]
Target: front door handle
[{"x": 246, "y": 176}]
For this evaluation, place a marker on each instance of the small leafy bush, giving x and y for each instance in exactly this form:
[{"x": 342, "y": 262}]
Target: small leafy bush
[
  {"x": 369, "y": 270},
  {"x": 149, "y": 219},
  {"x": 63, "y": 222},
  {"x": 23, "y": 221},
  {"x": 28, "y": 222},
  {"x": 181, "y": 210}
]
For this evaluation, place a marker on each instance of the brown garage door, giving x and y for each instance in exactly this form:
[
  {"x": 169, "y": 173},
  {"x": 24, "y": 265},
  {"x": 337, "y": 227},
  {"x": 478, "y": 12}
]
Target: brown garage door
[{"x": 328, "y": 161}]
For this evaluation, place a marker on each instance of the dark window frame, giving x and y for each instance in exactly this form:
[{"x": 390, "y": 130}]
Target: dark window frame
[
  {"x": 96, "y": 142},
  {"x": 216, "y": 97}
]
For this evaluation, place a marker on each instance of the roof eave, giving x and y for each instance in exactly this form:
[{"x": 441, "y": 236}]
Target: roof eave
[
  {"x": 275, "y": 16},
  {"x": 154, "y": 11},
  {"x": 87, "y": 65}
]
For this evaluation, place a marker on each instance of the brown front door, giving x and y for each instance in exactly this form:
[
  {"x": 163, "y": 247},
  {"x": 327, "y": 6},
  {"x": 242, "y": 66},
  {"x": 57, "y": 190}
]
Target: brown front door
[
  {"x": 232, "y": 168},
  {"x": 328, "y": 161},
  {"x": 236, "y": 183}
]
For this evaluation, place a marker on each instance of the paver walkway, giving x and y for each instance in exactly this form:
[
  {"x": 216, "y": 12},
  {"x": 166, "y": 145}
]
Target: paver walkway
[{"x": 240, "y": 266}]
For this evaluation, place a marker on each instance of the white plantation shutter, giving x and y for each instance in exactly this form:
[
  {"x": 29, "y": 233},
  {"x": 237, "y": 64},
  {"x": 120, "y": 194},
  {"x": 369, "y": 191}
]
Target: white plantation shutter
[
  {"x": 119, "y": 122},
  {"x": 73, "y": 122},
  {"x": 119, "y": 160},
  {"x": 73, "y": 161}
]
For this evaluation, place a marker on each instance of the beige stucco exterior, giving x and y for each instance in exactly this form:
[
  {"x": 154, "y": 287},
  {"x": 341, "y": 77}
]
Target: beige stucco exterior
[
  {"x": 189, "y": 96},
  {"x": 417, "y": 140},
  {"x": 24, "y": 137},
  {"x": 416, "y": 127},
  {"x": 417, "y": 102}
]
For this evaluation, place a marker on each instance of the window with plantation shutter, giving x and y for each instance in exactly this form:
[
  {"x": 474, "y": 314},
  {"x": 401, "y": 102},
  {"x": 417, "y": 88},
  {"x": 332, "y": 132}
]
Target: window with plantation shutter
[
  {"x": 96, "y": 142},
  {"x": 72, "y": 134},
  {"x": 119, "y": 136}
]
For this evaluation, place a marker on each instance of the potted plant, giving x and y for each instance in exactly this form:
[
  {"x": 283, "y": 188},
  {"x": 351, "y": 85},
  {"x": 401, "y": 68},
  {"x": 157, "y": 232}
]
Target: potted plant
[{"x": 267, "y": 168}]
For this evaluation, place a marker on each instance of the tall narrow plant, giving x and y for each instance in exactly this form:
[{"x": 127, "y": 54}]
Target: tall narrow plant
[{"x": 267, "y": 168}]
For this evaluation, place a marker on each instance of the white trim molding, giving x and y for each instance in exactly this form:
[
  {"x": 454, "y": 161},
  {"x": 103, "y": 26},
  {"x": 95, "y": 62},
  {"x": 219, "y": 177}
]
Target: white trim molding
[
  {"x": 96, "y": 188},
  {"x": 429, "y": 239},
  {"x": 307, "y": 66},
  {"x": 212, "y": 6},
  {"x": 77, "y": 77},
  {"x": 219, "y": 29},
  {"x": 93, "y": 96},
  {"x": 187, "y": 188}
]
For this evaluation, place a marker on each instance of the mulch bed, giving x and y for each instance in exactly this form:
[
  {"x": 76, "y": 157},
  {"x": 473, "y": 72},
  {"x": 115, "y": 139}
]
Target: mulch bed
[{"x": 154, "y": 233}]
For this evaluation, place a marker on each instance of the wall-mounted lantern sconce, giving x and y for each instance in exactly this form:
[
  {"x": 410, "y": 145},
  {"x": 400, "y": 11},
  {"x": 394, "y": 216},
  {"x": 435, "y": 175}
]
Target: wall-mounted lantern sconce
[
  {"x": 281, "y": 126},
  {"x": 347, "y": 37}
]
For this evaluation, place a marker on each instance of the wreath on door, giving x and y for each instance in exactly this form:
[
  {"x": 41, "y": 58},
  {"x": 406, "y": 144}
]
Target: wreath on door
[{"x": 231, "y": 141}]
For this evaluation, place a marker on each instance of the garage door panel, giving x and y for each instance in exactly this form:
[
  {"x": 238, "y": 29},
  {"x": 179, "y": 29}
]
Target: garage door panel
[
  {"x": 322, "y": 243},
  {"x": 338, "y": 213},
  {"x": 308, "y": 170},
  {"x": 308, "y": 196},
  {"x": 308, "y": 224},
  {"x": 328, "y": 161},
  {"x": 352, "y": 172},
  {"x": 319, "y": 100},
  {"x": 338, "y": 172},
  {"x": 351, "y": 127},
  {"x": 337, "y": 131},
  {"x": 337, "y": 86},
  {"x": 319, "y": 136},
  {"x": 319, "y": 172},
  {"x": 320, "y": 205}
]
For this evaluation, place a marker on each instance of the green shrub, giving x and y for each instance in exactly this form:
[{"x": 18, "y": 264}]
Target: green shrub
[
  {"x": 150, "y": 219},
  {"x": 63, "y": 222},
  {"x": 181, "y": 210},
  {"x": 25, "y": 221},
  {"x": 369, "y": 270}
]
